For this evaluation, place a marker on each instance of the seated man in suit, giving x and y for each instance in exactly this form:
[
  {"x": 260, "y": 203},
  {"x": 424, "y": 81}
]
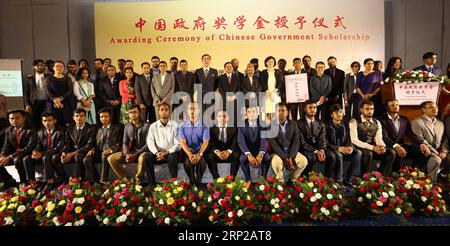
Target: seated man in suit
[
  {"x": 145, "y": 100},
  {"x": 223, "y": 146},
  {"x": 109, "y": 92},
  {"x": 338, "y": 141},
  {"x": 78, "y": 140},
  {"x": 163, "y": 144},
  {"x": 429, "y": 130},
  {"x": 252, "y": 145},
  {"x": 313, "y": 141},
  {"x": 134, "y": 145},
  {"x": 49, "y": 143},
  {"x": 163, "y": 86},
  {"x": 284, "y": 147},
  {"x": 108, "y": 139},
  {"x": 194, "y": 139},
  {"x": 395, "y": 128},
  {"x": 19, "y": 142},
  {"x": 366, "y": 133},
  {"x": 429, "y": 64}
]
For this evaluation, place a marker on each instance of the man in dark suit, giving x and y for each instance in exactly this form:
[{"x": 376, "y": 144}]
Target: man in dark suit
[
  {"x": 223, "y": 146},
  {"x": 207, "y": 77},
  {"x": 97, "y": 75},
  {"x": 108, "y": 141},
  {"x": 250, "y": 83},
  {"x": 78, "y": 140},
  {"x": 184, "y": 81},
  {"x": 109, "y": 93},
  {"x": 134, "y": 145},
  {"x": 313, "y": 142},
  {"x": 19, "y": 142},
  {"x": 35, "y": 94},
  {"x": 284, "y": 147},
  {"x": 228, "y": 86},
  {"x": 337, "y": 80},
  {"x": 338, "y": 141},
  {"x": 310, "y": 71},
  {"x": 429, "y": 64},
  {"x": 252, "y": 145},
  {"x": 235, "y": 63},
  {"x": 144, "y": 97},
  {"x": 49, "y": 143},
  {"x": 395, "y": 128}
]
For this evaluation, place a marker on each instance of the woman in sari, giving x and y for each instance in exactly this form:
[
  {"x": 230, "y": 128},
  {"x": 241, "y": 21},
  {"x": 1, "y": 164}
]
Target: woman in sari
[
  {"x": 84, "y": 92},
  {"x": 368, "y": 86},
  {"x": 126, "y": 89}
]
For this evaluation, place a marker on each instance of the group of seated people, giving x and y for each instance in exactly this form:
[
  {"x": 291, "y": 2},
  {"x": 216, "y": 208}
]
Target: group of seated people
[{"x": 338, "y": 149}]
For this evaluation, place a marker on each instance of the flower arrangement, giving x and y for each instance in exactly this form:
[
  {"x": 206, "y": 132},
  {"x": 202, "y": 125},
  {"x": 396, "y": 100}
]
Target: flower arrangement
[
  {"x": 176, "y": 203},
  {"x": 273, "y": 200},
  {"x": 318, "y": 197},
  {"x": 379, "y": 195},
  {"x": 228, "y": 202},
  {"x": 415, "y": 77},
  {"x": 421, "y": 192},
  {"x": 72, "y": 204},
  {"x": 21, "y": 206},
  {"x": 123, "y": 203}
]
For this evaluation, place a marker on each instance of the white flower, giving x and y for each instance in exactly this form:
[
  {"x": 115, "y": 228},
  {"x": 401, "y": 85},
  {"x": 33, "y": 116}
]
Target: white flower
[
  {"x": 124, "y": 204},
  {"x": 329, "y": 196},
  {"x": 276, "y": 205},
  {"x": 167, "y": 220},
  {"x": 340, "y": 196},
  {"x": 391, "y": 193},
  {"x": 273, "y": 210},
  {"x": 230, "y": 214},
  {"x": 430, "y": 207},
  {"x": 424, "y": 199},
  {"x": 8, "y": 220},
  {"x": 21, "y": 208},
  {"x": 209, "y": 199},
  {"x": 277, "y": 200},
  {"x": 55, "y": 221},
  {"x": 325, "y": 211},
  {"x": 68, "y": 224},
  {"x": 194, "y": 205},
  {"x": 368, "y": 196},
  {"x": 81, "y": 200},
  {"x": 360, "y": 199},
  {"x": 336, "y": 208},
  {"x": 105, "y": 221},
  {"x": 175, "y": 182},
  {"x": 315, "y": 190},
  {"x": 313, "y": 199},
  {"x": 296, "y": 210},
  {"x": 318, "y": 196},
  {"x": 279, "y": 187},
  {"x": 416, "y": 186},
  {"x": 261, "y": 187},
  {"x": 140, "y": 209},
  {"x": 385, "y": 194},
  {"x": 292, "y": 211},
  {"x": 122, "y": 218},
  {"x": 161, "y": 202},
  {"x": 379, "y": 203},
  {"x": 79, "y": 222},
  {"x": 128, "y": 213},
  {"x": 410, "y": 182},
  {"x": 240, "y": 213},
  {"x": 272, "y": 201},
  {"x": 123, "y": 185},
  {"x": 302, "y": 195},
  {"x": 182, "y": 208},
  {"x": 398, "y": 210},
  {"x": 153, "y": 214},
  {"x": 75, "y": 200}
]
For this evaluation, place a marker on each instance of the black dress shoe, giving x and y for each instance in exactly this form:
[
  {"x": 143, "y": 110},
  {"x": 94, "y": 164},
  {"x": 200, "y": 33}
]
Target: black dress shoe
[{"x": 8, "y": 184}]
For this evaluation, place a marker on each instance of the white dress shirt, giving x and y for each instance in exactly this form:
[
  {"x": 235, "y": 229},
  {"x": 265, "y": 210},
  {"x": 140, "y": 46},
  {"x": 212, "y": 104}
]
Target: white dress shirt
[{"x": 163, "y": 138}]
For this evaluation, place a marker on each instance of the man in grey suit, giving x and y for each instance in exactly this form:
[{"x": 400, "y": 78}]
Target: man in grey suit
[
  {"x": 163, "y": 86},
  {"x": 430, "y": 131},
  {"x": 429, "y": 64},
  {"x": 143, "y": 95}
]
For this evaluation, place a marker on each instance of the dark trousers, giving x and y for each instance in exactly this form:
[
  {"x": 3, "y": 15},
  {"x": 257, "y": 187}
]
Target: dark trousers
[
  {"x": 387, "y": 160},
  {"x": 326, "y": 168},
  {"x": 91, "y": 172},
  {"x": 52, "y": 163},
  {"x": 4, "y": 175},
  {"x": 18, "y": 163},
  {"x": 245, "y": 165},
  {"x": 212, "y": 160},
  {"x": 150, "y": 161},
  {"x": 79, "y": 159},
  {"x": 347, "y": 166},
  {"x": 37, "y": 108},
  {"x": 414, "y": 153},
  {"x": 148, "y": 114},
  {"x": 195, "y": 172}
]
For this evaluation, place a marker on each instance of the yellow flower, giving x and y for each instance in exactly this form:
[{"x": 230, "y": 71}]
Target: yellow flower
[
  {"x": 427, "y": 180},
  {"x": 211, "y": 218},
  {"x": 78, "y": 191},
  {"x": 168, "y": 195},
  {"x": 216, "y": 210},
  {"x": 31, "y": 192},
  {"x": 2, "y": 208},
  {"x": 199, "y": 209},
  {"x": 230, "y": 186},
  {"x": 175, "y": 191},
  {"x": 414, "y": 174},
  {"x": 11, "y": 206},
  {"x": 439, "y": 189},
  {"x": 138, "y": 188},
  {"x": 62, "y": 202},
  {"x": 244, "y": 189},
  {"x": 49, "y": 214},
  {"x": 170, "y": 201},
  {"x": 310, "y": 184},
  {"x": 179, "y": 188},
  {"x": 237, "y": 198},
  {"x": 50, "y": 207},
  {"x": 220, "y": 180},
  {"x": 14, "y": 199},
  {"x": 38, "y": 209},
  {"x": 116, "y": 188},
  {"x": 78, "y": 209},
  {"x": 200, "y": 194}
]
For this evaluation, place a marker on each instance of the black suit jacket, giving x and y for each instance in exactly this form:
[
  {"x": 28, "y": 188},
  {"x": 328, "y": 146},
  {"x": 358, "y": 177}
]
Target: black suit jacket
[
  {"x": 312, "y": 141},
  {"x": 57, "y": 141},
  {"x": 139, "y": 144},
  {"x": 30, "y": 89},
  {"x": 185, "y": 82},
  {"x": 254, "y": 87},
  {"x": 114, "y": 138},
  {"x": 143, "y": 90},
  {"x": 337, "y": 83},
  {"x": 224, "y": 87},
  {"x": 391, "y": 137},
  {"x": 231, "y": 139},
  {"x": 279, "y": 83},
  {"x": 210, "y": 82},
  {"x": 26, "y": 144},
  {"x": 109, "y": 91},
  {"x": 289, "y": 139},
  {"x": 81, "y": 144},
  {"x": 332, "y": 136}
]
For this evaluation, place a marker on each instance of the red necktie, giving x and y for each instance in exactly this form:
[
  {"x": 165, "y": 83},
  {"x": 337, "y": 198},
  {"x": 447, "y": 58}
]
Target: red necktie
[
  {"x": 18, "y": 140},
  {"x": 49, "y": 140}
]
